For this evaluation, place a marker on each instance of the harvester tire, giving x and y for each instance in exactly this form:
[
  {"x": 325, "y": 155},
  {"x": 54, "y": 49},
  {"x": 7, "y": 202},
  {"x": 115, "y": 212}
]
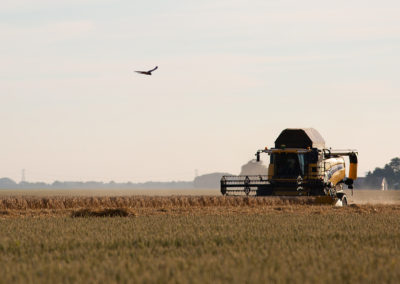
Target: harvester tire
[{"x": 344, "y": 200}]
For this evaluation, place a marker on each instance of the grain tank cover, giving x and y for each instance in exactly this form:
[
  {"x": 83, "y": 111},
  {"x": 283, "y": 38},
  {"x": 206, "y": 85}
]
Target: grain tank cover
[{"x": 300, "y": 138}]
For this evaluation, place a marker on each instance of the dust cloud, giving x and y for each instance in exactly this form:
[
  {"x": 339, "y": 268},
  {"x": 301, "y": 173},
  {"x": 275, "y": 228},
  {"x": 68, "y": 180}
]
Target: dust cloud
[{"x": 374, "y": 196}]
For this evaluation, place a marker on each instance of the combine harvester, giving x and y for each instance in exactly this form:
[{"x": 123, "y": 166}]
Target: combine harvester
[{"x": 300, "y": 165}]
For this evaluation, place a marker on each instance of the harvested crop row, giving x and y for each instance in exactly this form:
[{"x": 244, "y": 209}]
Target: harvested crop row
[
  {"x": 59, "y": 202},
  {"x": 174, "y": 205}
]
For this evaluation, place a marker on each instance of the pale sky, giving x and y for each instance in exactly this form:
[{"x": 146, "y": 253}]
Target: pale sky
[{"x": 232, "y": 75}]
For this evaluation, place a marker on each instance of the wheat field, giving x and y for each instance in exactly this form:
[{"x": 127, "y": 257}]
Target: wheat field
[{"x": 196, "y": 239}]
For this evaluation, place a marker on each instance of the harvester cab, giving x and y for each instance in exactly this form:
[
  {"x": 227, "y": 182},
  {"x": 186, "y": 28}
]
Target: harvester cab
[{"x": 299, "y": 165}]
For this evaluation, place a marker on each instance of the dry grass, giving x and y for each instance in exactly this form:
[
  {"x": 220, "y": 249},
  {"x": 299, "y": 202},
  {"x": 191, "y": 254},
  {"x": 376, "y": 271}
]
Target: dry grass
[
  {"x": 277, "y": 247},
  {"x": 197, "y": 239},
  {"x": 15, "y": 206},
  {"x": 59, "y": 202}
]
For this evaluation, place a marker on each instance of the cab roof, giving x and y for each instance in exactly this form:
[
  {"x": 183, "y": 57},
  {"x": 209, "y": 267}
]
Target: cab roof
[{"x": 300, "y": 138}]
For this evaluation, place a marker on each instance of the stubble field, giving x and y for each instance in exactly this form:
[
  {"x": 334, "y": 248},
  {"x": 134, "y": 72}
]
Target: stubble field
[{"x": 178, "y": 239}]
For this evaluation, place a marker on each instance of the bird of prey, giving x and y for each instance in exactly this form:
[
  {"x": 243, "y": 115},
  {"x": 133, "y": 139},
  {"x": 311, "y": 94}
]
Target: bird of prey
[{"x": 146, "y": 72}]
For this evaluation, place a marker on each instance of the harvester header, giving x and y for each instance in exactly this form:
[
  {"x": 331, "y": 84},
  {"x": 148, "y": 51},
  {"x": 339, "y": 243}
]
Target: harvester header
[{"x": 300, "y": 165}]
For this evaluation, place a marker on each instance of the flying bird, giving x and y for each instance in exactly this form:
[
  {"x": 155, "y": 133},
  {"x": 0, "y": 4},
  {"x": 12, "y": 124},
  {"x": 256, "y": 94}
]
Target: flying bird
[{"x": 147, "y": 72}]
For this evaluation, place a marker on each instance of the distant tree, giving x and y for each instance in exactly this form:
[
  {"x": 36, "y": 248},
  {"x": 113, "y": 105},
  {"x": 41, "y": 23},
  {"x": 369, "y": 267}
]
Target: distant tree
[{"x": 395, "y": 165}]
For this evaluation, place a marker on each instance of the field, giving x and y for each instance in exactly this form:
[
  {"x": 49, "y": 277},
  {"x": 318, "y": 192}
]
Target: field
[{"x": 176, "y": 239}]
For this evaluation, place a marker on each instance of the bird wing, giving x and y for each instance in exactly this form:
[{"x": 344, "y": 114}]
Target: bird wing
[
  {"x": 141, "y": 72},
  {"x": 153, "y": 69}
]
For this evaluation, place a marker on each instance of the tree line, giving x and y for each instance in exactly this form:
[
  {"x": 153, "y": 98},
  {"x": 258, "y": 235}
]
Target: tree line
[{"x": 391, "y": 171}]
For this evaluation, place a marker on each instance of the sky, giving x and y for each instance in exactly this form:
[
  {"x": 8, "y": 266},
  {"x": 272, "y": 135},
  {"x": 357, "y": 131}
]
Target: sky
[{"x": 232, "y": 75}]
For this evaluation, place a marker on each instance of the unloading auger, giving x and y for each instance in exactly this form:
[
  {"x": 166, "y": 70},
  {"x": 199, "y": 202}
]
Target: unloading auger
[{"x": 300, "y": 165}]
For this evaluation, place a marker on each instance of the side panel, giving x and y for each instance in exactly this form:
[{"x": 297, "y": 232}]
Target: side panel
[
  {"x": 335, "y": 170},
  {"x": 270, "y": 171},
  {"x": 338, "y": 176}
]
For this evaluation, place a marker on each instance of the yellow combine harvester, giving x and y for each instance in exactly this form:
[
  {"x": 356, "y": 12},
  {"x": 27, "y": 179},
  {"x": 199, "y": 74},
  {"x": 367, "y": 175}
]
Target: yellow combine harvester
[{"x": 300, "y": 165}]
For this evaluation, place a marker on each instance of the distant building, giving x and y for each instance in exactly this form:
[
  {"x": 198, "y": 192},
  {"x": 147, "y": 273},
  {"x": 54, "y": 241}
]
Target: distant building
[
  {"x": 254, "y": 168},
  {"x": 7, "y": 183},
  {"x": 209, "y": 181}
]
